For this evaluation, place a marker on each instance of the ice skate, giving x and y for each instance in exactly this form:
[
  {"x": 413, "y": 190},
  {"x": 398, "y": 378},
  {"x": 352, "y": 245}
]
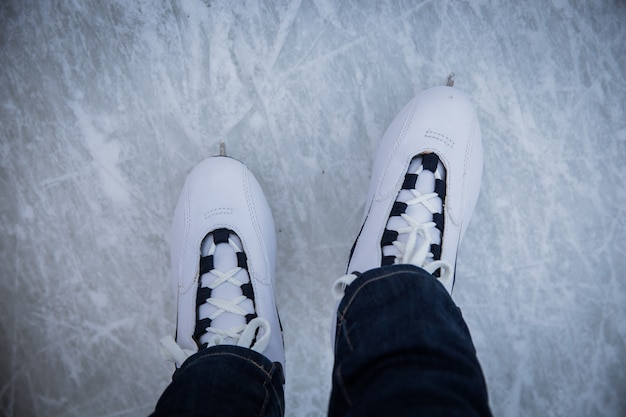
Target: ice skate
[
  {"x": 424, "y": 186},
  {"x": 223, "y": 246}
]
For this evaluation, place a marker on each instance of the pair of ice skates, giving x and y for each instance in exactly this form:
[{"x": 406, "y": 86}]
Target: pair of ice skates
[{"x": 424, "y": 186}]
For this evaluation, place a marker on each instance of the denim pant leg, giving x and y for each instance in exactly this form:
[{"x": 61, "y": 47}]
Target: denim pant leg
[
  {"x": 224, "y": 381},
  {"x": 403, "y": 348}
]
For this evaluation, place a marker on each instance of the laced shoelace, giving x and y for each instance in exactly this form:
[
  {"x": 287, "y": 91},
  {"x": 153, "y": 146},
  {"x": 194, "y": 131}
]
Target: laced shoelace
[
  {"x": 417, "y": 249},
  {"x": 171, "y": 351},
  {"x": 255, "y": 334}
]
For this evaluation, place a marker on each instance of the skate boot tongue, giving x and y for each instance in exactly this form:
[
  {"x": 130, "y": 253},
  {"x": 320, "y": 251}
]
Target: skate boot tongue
[
  {"x": 415, "y": 226},
  {"x": 225, "y": 303}
]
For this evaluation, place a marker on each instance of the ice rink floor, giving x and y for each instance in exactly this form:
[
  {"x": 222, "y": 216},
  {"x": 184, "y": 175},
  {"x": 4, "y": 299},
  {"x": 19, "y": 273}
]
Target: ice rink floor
[{"x": 106, "y": 105}]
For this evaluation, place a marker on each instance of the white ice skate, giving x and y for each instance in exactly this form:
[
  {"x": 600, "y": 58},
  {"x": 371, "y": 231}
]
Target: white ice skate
[
  {"x": 424, "y": 186},
  {"x": 223, "y": 250}
]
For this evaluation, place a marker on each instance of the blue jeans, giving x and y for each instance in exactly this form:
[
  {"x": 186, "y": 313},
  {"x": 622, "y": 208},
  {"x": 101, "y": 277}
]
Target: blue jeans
[{"x": 402, "y": 348}]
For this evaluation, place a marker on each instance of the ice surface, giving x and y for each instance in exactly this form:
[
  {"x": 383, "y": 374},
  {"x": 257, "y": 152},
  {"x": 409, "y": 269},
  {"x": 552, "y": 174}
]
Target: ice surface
[{"x": 105, "y": 107}]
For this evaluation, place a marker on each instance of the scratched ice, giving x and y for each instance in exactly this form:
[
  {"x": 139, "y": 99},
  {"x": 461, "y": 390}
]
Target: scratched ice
[{"x": 105, "y": 106}]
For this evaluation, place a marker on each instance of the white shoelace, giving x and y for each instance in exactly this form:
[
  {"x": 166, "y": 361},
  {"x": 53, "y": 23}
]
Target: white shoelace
[
  {"x": 254, "y": 335},
  {"x": 416, "y": 250},
  {"x": 171, "y": 351}
]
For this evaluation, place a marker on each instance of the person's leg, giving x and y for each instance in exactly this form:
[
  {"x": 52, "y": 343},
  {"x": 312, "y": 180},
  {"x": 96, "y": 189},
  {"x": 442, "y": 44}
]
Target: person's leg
[
  {"x": 401, "y": 345},
  {"x": 402, "y": 348},
  {"x": 226, "y": 381},
  {"x": 228, "y": 348}
]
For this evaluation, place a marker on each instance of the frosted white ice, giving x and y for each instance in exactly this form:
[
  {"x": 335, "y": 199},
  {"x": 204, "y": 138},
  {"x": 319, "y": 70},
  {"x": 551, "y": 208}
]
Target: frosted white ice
[{"x": 105, "y": 106}]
